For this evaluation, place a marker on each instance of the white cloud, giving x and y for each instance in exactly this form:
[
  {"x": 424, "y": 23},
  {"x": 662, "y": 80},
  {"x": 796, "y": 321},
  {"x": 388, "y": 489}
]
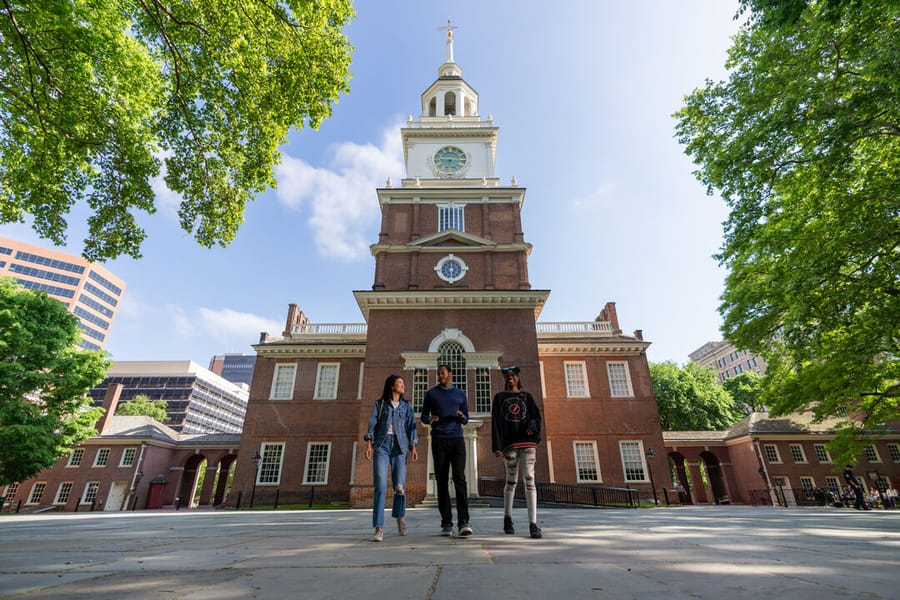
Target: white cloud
[
  {"x": 595, "y": 198},
  {"x": 167, "y": 201},
  {"x": 340, "y": 196},
  {"x": 184, "y": 326},
  {"x": 227, "y": 325}
]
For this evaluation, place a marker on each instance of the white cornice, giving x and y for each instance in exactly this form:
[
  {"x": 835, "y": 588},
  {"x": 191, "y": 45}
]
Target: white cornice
[
  {"x": 407, "y": 249},
  {"x": 455, "y": 299},
  {"x": 297, "y": 348},
  {"x": 607, "y": 345},
  {"x": 450, "y": 189}
]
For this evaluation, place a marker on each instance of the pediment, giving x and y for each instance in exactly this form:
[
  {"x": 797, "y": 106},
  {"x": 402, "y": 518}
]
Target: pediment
[{"x": 452, "y": 237}]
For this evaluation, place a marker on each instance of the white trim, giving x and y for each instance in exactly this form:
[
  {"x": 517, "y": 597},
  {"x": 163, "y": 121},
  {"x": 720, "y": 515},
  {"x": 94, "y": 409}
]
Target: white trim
[
  {"x": 262, "y": 452},
  {"x": 31, "y": 500},
  {"x": 124, "y": 454},
  {"x": 97, "y": 458},
  {"x": 323, "y": 366},
  {"x": 59, "y": 488},
  {"x": 309, "y": 446},
  {"x": 278, "y": 368},
  {"x": 72, "y": 454},
  {"x": 584, "y": 380},
  {"x": 593, "y": 445},
  {"x": 629, "y": 393},
  {"x": 451, "y": 335},
  {"x": 640, "y": 446}
]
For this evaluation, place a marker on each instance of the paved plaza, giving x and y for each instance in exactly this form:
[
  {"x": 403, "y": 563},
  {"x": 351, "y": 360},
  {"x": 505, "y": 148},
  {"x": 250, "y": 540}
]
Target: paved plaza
[{"x": 728, "y": 552}]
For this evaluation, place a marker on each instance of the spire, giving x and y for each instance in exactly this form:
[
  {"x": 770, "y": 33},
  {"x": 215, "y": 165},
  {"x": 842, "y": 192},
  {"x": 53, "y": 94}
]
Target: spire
[{"x": 449, "y": 27}]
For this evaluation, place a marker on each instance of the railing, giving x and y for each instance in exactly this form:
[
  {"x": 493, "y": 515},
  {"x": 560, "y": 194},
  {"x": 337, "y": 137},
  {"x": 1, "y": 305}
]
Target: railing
[
  {"x": 580, "y": 327},
  {"x": 329, "y": 329},
  {"x": 566, "y": 493}
]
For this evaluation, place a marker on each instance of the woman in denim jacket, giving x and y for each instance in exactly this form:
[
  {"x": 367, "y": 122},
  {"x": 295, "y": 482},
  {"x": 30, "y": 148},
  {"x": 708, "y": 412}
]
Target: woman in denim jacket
[{"x": 391, "y": 434}]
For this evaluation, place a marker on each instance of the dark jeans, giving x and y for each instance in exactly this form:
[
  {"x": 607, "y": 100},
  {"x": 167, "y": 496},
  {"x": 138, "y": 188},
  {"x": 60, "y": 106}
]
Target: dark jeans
[{"x": 447, "y": 452}]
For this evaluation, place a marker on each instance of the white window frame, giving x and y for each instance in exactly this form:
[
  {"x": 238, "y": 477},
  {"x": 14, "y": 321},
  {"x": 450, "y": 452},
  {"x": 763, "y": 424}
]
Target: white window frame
[
  {"x": 592, "y": 446},
  {"x": 639, "y": 445},
  {"x": 578, "y": 367},
  {"x": 128, "y": 452},
  {"x": 309, "y": 452},
  {"x": 41, "y": 488},
  {"x": 768, "y": 454},
  {"x": 269, "y": 458},
  {"x": 90, "y": 486},
  {"x": 894, "y": 452},
  {"x": 482, "y": 390},
  {"x": 419, "y": 387},
  {"x": 322, "y": 393},
  {"x": 833, "y": 484},
  {"x": 274, "y": 392},
  {"x": 807, "y": 479},
  {"x": 73, "y": 462},
  {"x": 59, "y": 492},
  {"x": 102, "y": 454},
  {"x": 449, "y": 214},
  {"x": 10, "y": 492},
  {"x": 629, "y": 391},
  {"x": 877, "y": 459},
  {"x": 821, "y": 450},
  {"x": 797, "y": 449}
]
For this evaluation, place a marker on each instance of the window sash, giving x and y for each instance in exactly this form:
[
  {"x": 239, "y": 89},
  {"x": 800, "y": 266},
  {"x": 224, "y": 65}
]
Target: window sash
[
  {"x": 797, "y": 453},
  {"x": 102, "y": 458},
  {"x": 270, "y": 465},
  {"x": 91, "y": 489},
  {"x": 619, "y": 379},
  {"x": 576, "y": 380},
  {"x": 807, "y": 483},
  {"x": 894, "y": 451},
  {"x": 451, "y": 216},
  {"x": 872, "y": 454},
  {"x": 128, "y": 456},
  {"x": 316, "y": 469},
  {"x": 822, "y": 454},
  {"x": 420, "y": 386},
  {"x": 283, "y": 382},
  {"x": 37, "y": 492},
  {"x": 586, "y": 468},
  {"x": 482, "y": 390},
  {"x": 75, "y": 457},
  {"x": 833, "y": 484},
  {"x": 326, "y": 381},
  {"x": 633, "y": 466},
  {"x": 63, "y": 492},
  {"x": 772, "y": 454}
]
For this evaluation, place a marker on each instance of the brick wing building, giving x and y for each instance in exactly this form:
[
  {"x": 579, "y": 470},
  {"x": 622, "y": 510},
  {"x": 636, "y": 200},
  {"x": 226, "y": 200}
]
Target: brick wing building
[{"x": 451, "y": 285}]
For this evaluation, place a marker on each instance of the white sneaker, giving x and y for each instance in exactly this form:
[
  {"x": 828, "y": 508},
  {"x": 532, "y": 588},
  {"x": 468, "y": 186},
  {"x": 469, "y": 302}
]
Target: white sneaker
[{"x": 379, "y": 536}]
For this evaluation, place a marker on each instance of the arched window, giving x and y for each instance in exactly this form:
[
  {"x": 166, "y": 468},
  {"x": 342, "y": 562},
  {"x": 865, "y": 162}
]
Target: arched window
[
  {"x": 449, "y": 103},
  {"x": 432, "y": 107},
  {"x": 453, "y": 354},
  {"x": 470, "y": 110}
]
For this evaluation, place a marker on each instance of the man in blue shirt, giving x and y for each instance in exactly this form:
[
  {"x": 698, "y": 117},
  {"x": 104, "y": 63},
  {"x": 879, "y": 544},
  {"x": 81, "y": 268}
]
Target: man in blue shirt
[{"x": 446, "y": 409}]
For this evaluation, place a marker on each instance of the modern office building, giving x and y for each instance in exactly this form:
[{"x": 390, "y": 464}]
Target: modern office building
[
  {"x": 727, "y": 360},
  {"x": 451, "y": 285},
  {"x": 90, "y": 292},
  {"x": 197, "y": 400},
  {"x": 236, "y": 368}
]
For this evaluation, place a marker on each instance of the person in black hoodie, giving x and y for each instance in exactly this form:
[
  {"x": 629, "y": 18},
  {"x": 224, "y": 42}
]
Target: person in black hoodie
[{"x": 515, "y": 433}]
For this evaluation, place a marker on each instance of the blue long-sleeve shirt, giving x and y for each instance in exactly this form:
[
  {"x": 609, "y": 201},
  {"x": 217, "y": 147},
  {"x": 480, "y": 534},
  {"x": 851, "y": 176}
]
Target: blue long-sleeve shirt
[{"x": 445, "y": 402}]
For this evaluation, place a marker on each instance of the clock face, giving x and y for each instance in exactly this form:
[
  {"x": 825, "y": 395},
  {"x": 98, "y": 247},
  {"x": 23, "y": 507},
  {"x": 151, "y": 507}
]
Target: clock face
[
  {"x": 451, "y": 268},
  {"x": 450, "y": 161}
]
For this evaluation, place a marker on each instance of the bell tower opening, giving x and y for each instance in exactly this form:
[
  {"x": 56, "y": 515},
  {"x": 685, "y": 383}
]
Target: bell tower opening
[{"x": 449, "y": 104}]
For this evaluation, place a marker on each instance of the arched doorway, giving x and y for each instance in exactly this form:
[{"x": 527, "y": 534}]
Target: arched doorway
[
  {"x": 678, "y": 468},
  {"x": 714, "y": 475},
  {"x": 189, "y": 476},
  {"x": 223, "y": 484}
]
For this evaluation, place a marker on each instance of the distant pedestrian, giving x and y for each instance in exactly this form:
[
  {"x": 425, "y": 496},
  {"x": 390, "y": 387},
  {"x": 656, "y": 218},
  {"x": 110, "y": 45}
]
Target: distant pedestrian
[
  {"x": 855, "y": 487},
  {"x": 682, "y": 493},
  {"x": 515, "y": 434},
  {"x": 391, "y": 435}
]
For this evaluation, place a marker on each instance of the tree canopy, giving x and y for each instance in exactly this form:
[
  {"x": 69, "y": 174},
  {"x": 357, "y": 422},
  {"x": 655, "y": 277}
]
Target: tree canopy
[
  {"x": 690, "y": 399},
  {"x": 96, "y": 96},
  {"x": 44, "y": 382},
  {"x": 142, "y": 405},
  {"x": 746, "y": 391},
  {"x": 803, "y": 144}
]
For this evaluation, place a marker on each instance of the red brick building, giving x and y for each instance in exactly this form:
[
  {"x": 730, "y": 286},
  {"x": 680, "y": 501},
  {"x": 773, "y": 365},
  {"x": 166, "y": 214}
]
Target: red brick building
[{"x": 450, "y": 285}]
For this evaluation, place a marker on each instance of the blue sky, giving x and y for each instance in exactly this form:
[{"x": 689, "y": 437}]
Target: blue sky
[{"x": 583, "y": 93}]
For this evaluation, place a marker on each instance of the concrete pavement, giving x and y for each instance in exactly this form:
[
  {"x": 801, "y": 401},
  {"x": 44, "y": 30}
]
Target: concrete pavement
[{"x": 691, "y": 552}]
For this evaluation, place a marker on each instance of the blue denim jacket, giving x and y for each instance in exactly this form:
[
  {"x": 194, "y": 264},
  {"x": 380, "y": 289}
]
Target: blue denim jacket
[{"x": 404, "y": 419}]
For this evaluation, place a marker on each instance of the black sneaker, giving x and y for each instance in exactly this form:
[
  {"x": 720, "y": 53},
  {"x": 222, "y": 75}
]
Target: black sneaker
[
  {"x": 508, "y": 525},
  {"x": 535, "y": 531},
  {"x": 446, "y": 530},
  {"x": 465, "y": 530}
]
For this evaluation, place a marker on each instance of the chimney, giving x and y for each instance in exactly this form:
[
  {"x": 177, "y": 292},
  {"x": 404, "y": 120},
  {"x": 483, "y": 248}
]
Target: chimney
[
  {"x": 295, "y": 316},
  {"x": 609, "y": 314},
  {"x": 639, "y": 334},
  {"x": 110, "y": 403}
]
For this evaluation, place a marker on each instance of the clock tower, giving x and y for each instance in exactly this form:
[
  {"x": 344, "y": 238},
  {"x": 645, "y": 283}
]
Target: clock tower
[{"x": 451, "y": 269}]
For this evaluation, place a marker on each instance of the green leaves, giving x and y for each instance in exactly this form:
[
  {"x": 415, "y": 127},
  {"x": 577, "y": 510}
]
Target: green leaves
[
  {"x": 92, "y": 94},
  {"x": 142, "y": 405},
  {"x": 44, "y": 381},
  {"x": 690, "y": 399},
  {"x": 803, "y": 143}
]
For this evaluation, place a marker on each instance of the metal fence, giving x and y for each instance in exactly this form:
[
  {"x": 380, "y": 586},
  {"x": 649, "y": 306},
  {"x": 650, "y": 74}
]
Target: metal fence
[{"x": 566, "y": 493}]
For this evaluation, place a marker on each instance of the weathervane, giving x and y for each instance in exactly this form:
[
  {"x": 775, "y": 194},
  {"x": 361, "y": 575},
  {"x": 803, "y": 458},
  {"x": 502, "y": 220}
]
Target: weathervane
[{"x": 449, "y": 27}]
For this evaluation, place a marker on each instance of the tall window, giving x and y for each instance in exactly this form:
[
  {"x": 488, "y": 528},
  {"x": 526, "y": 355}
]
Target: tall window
[
  {"x": 482, "y": 390},
  {"x": 808, "y": 484},
  {"x": 619, "y": 379},
  {"x": 772, "y": 453},
  {"x": 270, "y": 465},
  {"x": 75, "y": 457},
  {"x": 316, "y": 471},
  {"x": 63, "y": 493},
  {"x": 632, "y": 460},
  {"x": 833, "y": 484},
  {"x": 586, "y": 466},
  {"x": 872, "y": 454},
  {"x": 128, "y": 457},
  {"x": 102, "y": 457},
  {"x": 797, "y": 453},
  {"x": 453, "y": 354},
  {"x": 576, "y": 380},
  {"x": 822, "y": 454},
  {"x": 90, "y": 492},
  {"x": 326, "y": 381},
  {"x": 894, "y": 451},
  {"x": 450, "y": 216},
  {"x": 419, "y": 387},
  {"x": 11, "y": 491},
  {"x": 283, "y": 382},
  {"x": 37, "y": 492}
]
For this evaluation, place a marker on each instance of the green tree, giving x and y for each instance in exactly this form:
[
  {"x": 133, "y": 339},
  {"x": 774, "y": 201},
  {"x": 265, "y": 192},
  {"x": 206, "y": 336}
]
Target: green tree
[
  {"x": 689, "y": 399},
  {"x": 95, "y": 96},
  {"x": 746, "y": 391},
  {"x": 44, "y": 382},
  {"x": 803, "y": 143},
  {"x": 143, "y": 405}
]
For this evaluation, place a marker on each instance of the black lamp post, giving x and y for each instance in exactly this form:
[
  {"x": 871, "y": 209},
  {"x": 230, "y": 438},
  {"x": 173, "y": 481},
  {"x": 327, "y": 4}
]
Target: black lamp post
[
  {"x": 256, "y": 459},
  {"x": 651, "y": 454}
]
